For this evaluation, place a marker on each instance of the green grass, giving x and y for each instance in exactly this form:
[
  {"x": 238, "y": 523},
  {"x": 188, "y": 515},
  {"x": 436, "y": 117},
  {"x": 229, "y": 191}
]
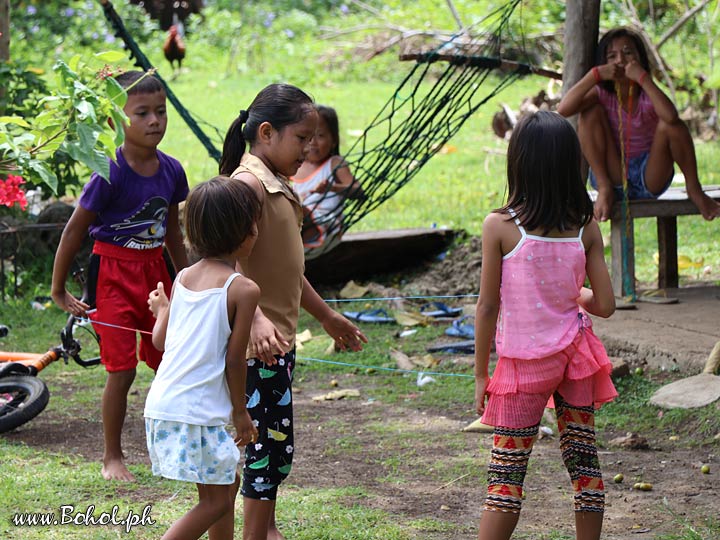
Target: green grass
[
  {"x": 58, "y": 478},
  {"x": 470, "y": 182}
]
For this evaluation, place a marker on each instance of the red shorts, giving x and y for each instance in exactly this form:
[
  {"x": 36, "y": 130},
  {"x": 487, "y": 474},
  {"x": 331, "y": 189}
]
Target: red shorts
[{"x": 125, "y": 279}]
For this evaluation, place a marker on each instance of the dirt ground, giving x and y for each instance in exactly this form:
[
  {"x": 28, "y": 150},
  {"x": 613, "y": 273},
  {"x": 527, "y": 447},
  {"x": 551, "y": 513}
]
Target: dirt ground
[
  {"x": 420, "y": 465},
  {"x": 425, "y": 467}
]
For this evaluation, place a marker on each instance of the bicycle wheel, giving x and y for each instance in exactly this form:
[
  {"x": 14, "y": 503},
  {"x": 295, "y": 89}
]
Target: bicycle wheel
[{"x": 22, "y": 398}]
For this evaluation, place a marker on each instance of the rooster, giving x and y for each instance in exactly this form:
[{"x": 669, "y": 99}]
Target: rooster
[{"x": 174, "y": 49}]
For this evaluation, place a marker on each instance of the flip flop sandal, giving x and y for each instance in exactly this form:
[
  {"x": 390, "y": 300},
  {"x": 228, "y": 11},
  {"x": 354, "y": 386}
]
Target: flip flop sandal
[
  {"x": 462, "y": 329},
  {"x": 438, "y": 309},
  {"x": 370, "y": 316},
  {"x": 458, "y": 347}
]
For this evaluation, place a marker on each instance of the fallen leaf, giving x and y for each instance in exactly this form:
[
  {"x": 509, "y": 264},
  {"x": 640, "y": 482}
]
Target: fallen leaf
[
  {"x": 410, "y": 318},
  {"x": 302, "y": 337},
  {"x": 402, "y": 360},
  {"x": 633, "y": 441},
  {"x": 338, "y": 394},
  {"x": 352, "y": 290},
  {"x": 478, "y": 427}
]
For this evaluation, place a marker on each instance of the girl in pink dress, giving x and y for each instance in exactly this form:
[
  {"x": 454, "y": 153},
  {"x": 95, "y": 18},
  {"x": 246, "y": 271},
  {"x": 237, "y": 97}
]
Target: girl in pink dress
[
  {"x": 654, "y": 136},
  {"x": 537, "y": 251}
]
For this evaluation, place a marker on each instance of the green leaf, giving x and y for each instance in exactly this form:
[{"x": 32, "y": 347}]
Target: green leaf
[
  {"x": 45, "y": 174},
  {"x": 115, "y": 92},
  {"x": 107, "y": 144},
  {"x": 119, "y": 119},
  {"x": 714, "y": 80},
  {"x": 85, "y": 110},
  {"x": 87, "y": 136},
  {"x": 97, "y": 162},
  {"x": 74, "y": 62},
  {"x": 16, "y": 120},
  {"x": 110, "y": 57}
]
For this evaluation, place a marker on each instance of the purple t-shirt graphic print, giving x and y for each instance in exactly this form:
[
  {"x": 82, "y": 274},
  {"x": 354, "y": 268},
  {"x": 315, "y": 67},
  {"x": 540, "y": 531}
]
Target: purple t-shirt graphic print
[{"x": 132, "y": 209}]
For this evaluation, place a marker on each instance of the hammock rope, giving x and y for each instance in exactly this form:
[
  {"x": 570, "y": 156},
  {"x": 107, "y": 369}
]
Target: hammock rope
[
  {"x": 142, "y": 61},
  {"x": 426, "y": 110}
]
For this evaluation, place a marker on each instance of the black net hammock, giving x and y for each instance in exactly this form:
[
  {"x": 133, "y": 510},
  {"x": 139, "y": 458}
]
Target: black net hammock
[{"x": 443, "y": 89}]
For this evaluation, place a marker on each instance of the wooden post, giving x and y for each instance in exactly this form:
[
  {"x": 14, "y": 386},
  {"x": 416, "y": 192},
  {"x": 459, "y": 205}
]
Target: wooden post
[
  {"x": 668, "y": 276},
  {"x": 582, "y": 23},
  {"x": 4, "y": 30}
]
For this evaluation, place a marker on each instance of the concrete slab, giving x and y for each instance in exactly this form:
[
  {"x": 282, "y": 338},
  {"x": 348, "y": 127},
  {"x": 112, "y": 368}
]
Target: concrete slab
[
  {"x": 688, "y": 393},
  {"x": 666, "y": 336}
]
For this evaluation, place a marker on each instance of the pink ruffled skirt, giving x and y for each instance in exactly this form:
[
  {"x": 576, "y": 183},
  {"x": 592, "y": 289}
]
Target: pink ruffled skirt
[{"x": 519, "y": 389}]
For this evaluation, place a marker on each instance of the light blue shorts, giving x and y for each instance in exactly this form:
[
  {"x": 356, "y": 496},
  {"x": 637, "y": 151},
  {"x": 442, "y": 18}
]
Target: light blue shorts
[
  {"x": 199, "y": 454},
  {"x": 636, "y": 180}
]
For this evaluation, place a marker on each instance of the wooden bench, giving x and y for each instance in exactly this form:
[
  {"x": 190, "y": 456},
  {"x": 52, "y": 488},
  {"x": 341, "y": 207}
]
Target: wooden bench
[{"x": 674, "y": 202}]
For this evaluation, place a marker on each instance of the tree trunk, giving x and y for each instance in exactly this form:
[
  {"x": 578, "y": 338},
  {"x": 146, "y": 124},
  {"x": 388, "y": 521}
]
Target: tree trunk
[
  {"x": 582, "y": 22},
  {"x": 4, "y": 30}
]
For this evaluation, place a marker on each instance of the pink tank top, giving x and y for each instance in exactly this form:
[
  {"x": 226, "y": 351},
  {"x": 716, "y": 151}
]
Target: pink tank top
[
  {"x": 642, "y": 122},
  {"x": 539, "y": 288}
]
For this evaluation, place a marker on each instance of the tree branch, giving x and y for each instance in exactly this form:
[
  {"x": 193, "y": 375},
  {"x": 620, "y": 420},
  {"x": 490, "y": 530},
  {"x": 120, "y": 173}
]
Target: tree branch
[
  {"x": 632, "y": 12},
  {"x": 680, "y": 22}
]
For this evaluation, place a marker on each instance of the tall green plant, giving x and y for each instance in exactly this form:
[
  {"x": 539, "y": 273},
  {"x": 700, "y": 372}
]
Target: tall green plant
[{"x": 73, "y": 120}]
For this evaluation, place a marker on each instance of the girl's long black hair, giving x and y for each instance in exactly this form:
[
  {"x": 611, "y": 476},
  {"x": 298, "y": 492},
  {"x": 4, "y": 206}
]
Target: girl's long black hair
[
  {"x": 278, "y": 104},
  {"x": 607, "y": 39},
  {"x": 545, "y": 185}
]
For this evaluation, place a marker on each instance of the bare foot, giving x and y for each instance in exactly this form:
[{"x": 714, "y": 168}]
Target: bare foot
[
  {"x": 603, "y": 205},
  {"x": 115, "y": 469},
  {"x": 709, "y": 207}
]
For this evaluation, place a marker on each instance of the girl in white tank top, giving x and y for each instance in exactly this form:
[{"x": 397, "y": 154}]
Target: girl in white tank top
[{"x": 204, "y": 330}]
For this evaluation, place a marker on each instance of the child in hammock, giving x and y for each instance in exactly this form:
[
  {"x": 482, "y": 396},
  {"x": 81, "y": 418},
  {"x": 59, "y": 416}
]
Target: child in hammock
[
  {"x": 618, "y": 97},
  {"x": 323, "y": 182}
]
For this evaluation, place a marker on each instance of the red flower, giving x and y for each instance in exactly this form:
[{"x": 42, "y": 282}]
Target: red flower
[{"x": 10, "y": 192}]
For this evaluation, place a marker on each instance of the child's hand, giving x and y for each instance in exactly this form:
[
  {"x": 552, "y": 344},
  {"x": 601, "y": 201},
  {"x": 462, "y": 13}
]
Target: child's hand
[
  {"x": 245, "y": 430},
  {"x": 633, "y": 71},
  {"x": 344, "y": 332},
  {"x": 322, "y": 187},
  {"x": 67, "y": 302},
  {"x": 481, "y": 384},
  {"x": 157, "y": 299},
  {"x": 267, "y": 341},
  {"x": 610, "y": 72}
]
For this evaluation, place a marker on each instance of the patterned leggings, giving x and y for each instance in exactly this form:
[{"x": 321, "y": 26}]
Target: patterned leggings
[
  {"x": 269, "y": 401},
  {"x": 511, "y": 452}
]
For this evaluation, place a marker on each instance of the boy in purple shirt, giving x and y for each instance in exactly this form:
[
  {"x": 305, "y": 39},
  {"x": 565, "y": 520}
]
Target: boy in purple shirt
[{"x": 130, "y": 217}]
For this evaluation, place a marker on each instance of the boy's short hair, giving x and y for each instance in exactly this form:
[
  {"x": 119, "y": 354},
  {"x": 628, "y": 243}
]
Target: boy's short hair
[
  {"x": 219, "y": 216},
  {"x": 139, "y": 82}
]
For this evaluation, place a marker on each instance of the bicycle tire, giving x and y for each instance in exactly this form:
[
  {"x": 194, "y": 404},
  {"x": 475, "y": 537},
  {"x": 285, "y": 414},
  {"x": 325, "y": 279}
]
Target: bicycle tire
[{"x": 22, "y": 398}]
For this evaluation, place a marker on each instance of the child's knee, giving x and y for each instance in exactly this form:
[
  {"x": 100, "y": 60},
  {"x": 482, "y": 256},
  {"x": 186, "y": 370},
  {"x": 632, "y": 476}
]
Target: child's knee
[
  {"x": 590, "y": 116},
  {"x": 121, "y": 380},
  {"x": 676, "y": 128}
]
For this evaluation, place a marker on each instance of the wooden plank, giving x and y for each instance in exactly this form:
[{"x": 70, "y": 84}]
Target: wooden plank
[
  {"x": 668, "y": 276},
  {"x": 362, "y": 255},
  {"x": 481, "y": 62},
  {"x": 674, "y": 202}
]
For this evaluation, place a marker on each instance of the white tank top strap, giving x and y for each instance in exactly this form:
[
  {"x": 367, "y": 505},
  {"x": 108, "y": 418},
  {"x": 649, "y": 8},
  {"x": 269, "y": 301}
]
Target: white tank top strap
[
  {"x": 523, "y": 235},
  {"x": 179, "y": 275},
  {"x": 230, "y": 279},
  {"x": 581, "y": 233},
  {"x": 517, "y": 221}
]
